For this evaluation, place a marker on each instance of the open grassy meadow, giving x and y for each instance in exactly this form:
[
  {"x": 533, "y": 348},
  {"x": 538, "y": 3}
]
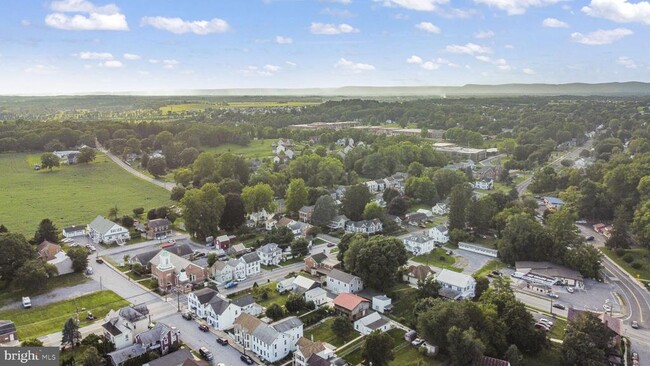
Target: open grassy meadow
[
  {"x": 70, "y": 194},
  {"x": 255, "y": 149},
  {"x": 39, "y": 321}
]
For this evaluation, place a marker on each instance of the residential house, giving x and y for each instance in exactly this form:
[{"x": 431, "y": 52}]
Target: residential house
[
  {"x": 428, "y": 213},
  {"x": 614, "y": 326},
  {"x": 173, "y": 272},
  {"x": 74, "y": 231},
  {"x": 248, "y": 305},
  {"x": 302, "y": 284},
  {"x": 251, "y": 263},
  {"x": 177, "y": 358},
  {"x": 221, "y": 312},
  {"x": 237, "y": 249},
  {"x": 102, "y": 230},
  {"x": 197, "y": 300},
  {"x": 491, "y": 172},
  {"x": 553, "y": 203},
  {"x": 299, "y": 229},
  {"x": 271, "y": 223},
  {"x": 415, "y": 274},
  {"x": 439, "y": 234},
  {"x": 7, "y": 331},
  {"x": 485, "y": 184},
  {"x": 285, "y": 285},
  {"x": 490, "y": 361},
  {"x": 371, "y": 322},
  {"x": 47, "y": 250},
  {"x": 270, "y": 254},
  {"x": 159, "y": 229},
  {"x": 121, "y": 326},
  {"x": 259, "y": 216},
  {"x": 160, "y": 338},
  {"x": 338, "y": 222},
  {"x": 394, "y": 218},
  {"x": 120, "y": 356},
  {"x": 233, "y": 269},
  {"x": 382, "y": 304},
  {"x": 415, "y": 218},
  {"x": 308, "y": 350},
  {"x": 314, "y": 261},
  {"x": 68, "y": 157},
  {"x": 419, "y": 244},
  {"x": 62, "y": 262},
  {"x": 194, "y": 362},
  {"x": 305, "y": 213},
  {"x": 270, "y": 342},
  {"x": 365, "y": 226},
  {"x": 224, "y": 241},
  {"x": 454, "y": 285},
  {"x": 182, "y": 250},
  {"x": 351, "y": 306},
  {"x": 441, "y": 208},
  {"x": 316, "y": 295},
  {"x": 341, "y": 282}
]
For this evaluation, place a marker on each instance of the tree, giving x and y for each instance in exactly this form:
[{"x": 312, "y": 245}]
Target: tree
[
  {"x": 113, "y": 212},
  {"x": 523, "y": 238},
  {"x": 296, "y": 196},
  {"x": 422, "y": 189},
  {"x": 281, "y": 236},
  {"x": 445, "y": 180},
  {"x": 378, "y": 349},
  {"x": 373, "y": 211},
  {"x": 514, "y": 356},
  {"x": 300, "y": 247},
  {"x": 464, "y": 346},
  {"x": 258, "y": 197},
  {"x": 295, "y": 303},
  {"x": 3, "y": 229},
  {"x": 202, "y": 210},
  {"x": 619, "y": 238},
  {"x": 33, "y": 275},
  {"x": 127, "y": 221},
  {"x": 389, "y": 194},
  {"x": 234, "y": 214},
  {"x": 428, "y": 288},
  {"x": 355, "y": 200},
  {"x": 275, "y": 312},
  {"x": 71, "y": 333},
  {"x": 398, "y": 206},
  {"x": 544, "y": 180},
  {"x": 480, "y": 213},
  {"x": 458, "y": 201},
  {"x": 188, "y": 155},
  {"x": 138, "y": 211},
  {"x": 79, "y": 257},
  {"x": 92, "y": 358},
  {"x": 374, "y": 166},
  {"x": 330, "y": 171},
  {"x": 178, "y": 193},
  {"x": 482, "y": 284},
  {"x": 585, "y": 259},
  {"x": 561, "y": 227},
  {"x": 46, "y": 231},
  {"x": 376, "y": 260},
  {"x": 100, "y": 342},
  {"x": 86, "y": 155},
  {"x": 342, "y": 327},
  {"x": 212, "y": 259},
  {"x": 15, "y": 252},
  {"x": 325, "y": 210},
  {"x": 31, "y": 342},
  {"x": 230, "y": 185},
  {"x": 585, "y": 342},
  {"x": 157, "y": 167},
  {"x": 49, "y": 160}
]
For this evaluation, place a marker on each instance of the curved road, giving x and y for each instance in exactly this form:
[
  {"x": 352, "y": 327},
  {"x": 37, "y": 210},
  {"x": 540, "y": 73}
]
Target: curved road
[{"x": 166, "y": 185}]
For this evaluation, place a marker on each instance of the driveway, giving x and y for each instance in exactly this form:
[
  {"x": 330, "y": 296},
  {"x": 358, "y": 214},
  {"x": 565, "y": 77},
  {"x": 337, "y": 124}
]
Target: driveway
[{"x": 470, "y": 262}]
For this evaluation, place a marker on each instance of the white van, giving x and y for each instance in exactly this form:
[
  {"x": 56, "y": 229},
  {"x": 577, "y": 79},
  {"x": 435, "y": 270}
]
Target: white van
[{"x": 27, "y": 302}]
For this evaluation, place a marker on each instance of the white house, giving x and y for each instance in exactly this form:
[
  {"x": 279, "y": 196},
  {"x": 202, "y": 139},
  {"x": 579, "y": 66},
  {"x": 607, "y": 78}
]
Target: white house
[
  {"x": 74, "y": 231},
  {"x": 311, "y": 352},
  {"x": 270, "y": 342},
  {"x": 197, "y": 300},
  {"x": 259, "y": 216},
  {"x": 221, "y": 313},
  {"x": 439, "y": 234},
  {"x": 428, "y": 213},
  {"x": 382, "y": 303},
  {"x": 371, "y": 322},
  {"x": 440, "y": 208},
  {"x": 476, "y": 248},
  {"x": 248, "y": 305},
  {"x": 316, "y": 295},
  {"x": 285, "y": 285},
  {"x": 486, "y": 184},
  {"x": 339, "y": 282},
  {"x": 338, "y": 222},
  {"x": 121, "y": 326},
  {"x": 62, "y": 262},
  {"x": 456, "y": 285},
  {"x": 251, "y": 263},
  {"x": 106, "y": 231},
  {"x": 365, "y": 226},
  {"x": 227, "y": 271},
  {"x": 270, "y": 254},
  {"x": 419, "y": 244}
]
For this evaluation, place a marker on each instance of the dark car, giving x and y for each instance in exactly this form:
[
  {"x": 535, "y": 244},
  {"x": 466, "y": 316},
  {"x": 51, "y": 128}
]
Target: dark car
[
  {"x": 204, "y": 328},
  {"x": 187, "y": 316},
  {"x": 559, "y": 306},
  {"x": 205, "y": 353},
  {"x": 330, "y": 245},
  {"x": 99, "y": 260},
  {"x": 247, "y": 359},
  {"x": 222, "y": 341},
  {"x": 589, "y": 238},
  {"x": 496, "y": 273}
]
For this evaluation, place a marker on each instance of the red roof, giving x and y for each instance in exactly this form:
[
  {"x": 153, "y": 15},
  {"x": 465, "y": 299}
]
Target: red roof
[
  {"x": 490, "y": 361},
  {"x": 348, "y": 301}
]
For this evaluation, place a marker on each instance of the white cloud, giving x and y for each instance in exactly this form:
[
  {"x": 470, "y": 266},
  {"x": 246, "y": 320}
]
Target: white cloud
[
  {"x": 88, "y": 16},
  {"x": 283, "y": 40},
  {"x": 430, "y": 65},
  {"x": 484, "y": 58},
  {"x": 554, "y": 23},
  {"x": 354, "y": 67},
  {"x": 516, "y": 7},
  {"x": 292, "y": 64},
  {"x": 40, "y": 69},
  {"x": 25, "y": 23},
  {"x": 621, "y": 11},
  {"x": 417, "y": 5},
  {"x": 180, "y": 26},
  {"x": 272, "y": 68},
  {"x": 331, "y": 29},
  {"x": 341, "y": 13},
  {"x": 266, "y": 70},
  {"x": 414, "y": 60},
  {"x": 112, "y": 64},
  {"x": 154, "y": 61},
  {"x": 400, "y": 16},
  {"x": 626, "y": 62},
  {"x": 500, "y": 63},
  {"x": 528, "y": 71},
  {"x": 468, "y": 49},
  {"x": 509, "y": 46},
  {"x": 170, "y": 64},
  {"x": 484, "y": 34},
  {"x": 94, "y": 55},
  {"x": 131, "y": 56},
  {"x": 601, "y": 36},
  {"x": 345, "y": 2},
  {"x": 427, "y": 27}
]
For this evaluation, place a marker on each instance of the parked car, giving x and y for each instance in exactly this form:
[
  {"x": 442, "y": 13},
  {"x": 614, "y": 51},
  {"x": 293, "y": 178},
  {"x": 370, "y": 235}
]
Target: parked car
[
  {"x": 607, "y": 307},
  {"x": 589, "y": 238},
  {"x": 89, "y": 271},
  {"x": 231, "y": 284},
  {"x": 330, "y": 245},
  {"x": 545, "y": 321},
  {"x": 496, "y": 273},
  {"x": 187, "y": 315},
  {"x": 205, "y": 353},
  {"x": 222, "y": 341},
  {"x": 635, "y": 356},
  {"x": 417, "y": 342},
  {"x": 553, "y": 295},
  {"x": 635, "y": 324},
  {"x": 99, "y": 260},
  {"x": 559, "y": 306},
  {"x": 570, "y": 290},
  {"x": 27, "y": 302},
  {"x": 204, "y": 327},
  {"x": 542, "y": 326},
  {"x": 581, "y": 222},
  {"x": 198, "y": 254},
  {"x": 247, "y": 359}
]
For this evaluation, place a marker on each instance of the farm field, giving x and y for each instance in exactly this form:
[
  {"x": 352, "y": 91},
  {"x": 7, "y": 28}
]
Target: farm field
[
  {"x": 69, "y": 195},
  {"x": 200, "y": 106},
  {"x": 255, "y": 149}
]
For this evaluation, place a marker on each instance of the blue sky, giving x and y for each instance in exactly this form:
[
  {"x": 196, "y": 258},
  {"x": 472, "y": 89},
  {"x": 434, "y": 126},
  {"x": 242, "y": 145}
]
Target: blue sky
[{"x": 68, "y": 46}]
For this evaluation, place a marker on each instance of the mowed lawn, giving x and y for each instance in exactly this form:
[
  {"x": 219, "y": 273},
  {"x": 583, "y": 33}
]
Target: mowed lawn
[
  {"x": 42, "y": 320},
  {"x": 323, "y": 332},
  {"x": 69, "y": 195},
  {"x": 255, "y": 149}
]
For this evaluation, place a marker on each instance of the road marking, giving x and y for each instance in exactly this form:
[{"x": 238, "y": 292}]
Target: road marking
[{"x": 631, "y": 292}]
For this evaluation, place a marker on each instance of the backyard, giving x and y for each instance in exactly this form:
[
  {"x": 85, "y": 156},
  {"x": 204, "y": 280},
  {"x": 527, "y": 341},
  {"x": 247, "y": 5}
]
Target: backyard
[
  {"x": 39, "y": 321},
  {"x": 69, "y": 195},
  {"x": 323, "y": 332},
  {"x": 272, "y": 296},
  {"x": 405, "y": 298},
  {"x": 438, "y": 258},
  {"x": 404, "y": 354}
]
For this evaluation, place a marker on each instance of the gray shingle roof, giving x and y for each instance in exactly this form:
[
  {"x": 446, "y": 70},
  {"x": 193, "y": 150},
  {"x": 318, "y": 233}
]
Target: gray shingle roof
[
  {"x": 7, "y": 327},
  {"x": 269, "y": 248},
  {"x": 111, "y": 328},
  {"x": 341, "y": 276},
  {"x": 172, "y": 359},
  {"x": 219, "y": 305},
  {"x": 134, "y": 313},
  {"x": 122, "y": 355},
  {"x": 287, "y": 324},
  {"x": 266, "y": 334},
  {"x": 154, "y": 334},
  {"x": 250, "y": 257},
  {"x": 244, "y": 301},
  {"x": 159, "y": 223},
  {"x": 71, "y": 229},
  {"x": 101, "y": 224},
  {"x": 206, "y": 294}
]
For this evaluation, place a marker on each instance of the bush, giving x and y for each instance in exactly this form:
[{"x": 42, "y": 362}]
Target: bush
[
  {"x": 620, "y": 252},
  {"x": 637, "y": 265},
  {"x": 442, "y": 258},
  {"x": 628, "y": 258}
]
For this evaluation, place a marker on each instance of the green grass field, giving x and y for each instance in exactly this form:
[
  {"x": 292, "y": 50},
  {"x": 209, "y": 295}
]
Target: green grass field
[
  {"x": 200, "y": 106},
  {"x": 39, "y": 321},
  {"x": 67, "y": 280},
  {"x": 323, "y": 332},
  {"x": 69, "y": 195},
  {"x": 405, "y": 298},
  {"x": 640, "y": 255},
  {"x": 493, "y": 265},
  {"x": 435, "y": 258},
  {"x": 255, "y": 149}
]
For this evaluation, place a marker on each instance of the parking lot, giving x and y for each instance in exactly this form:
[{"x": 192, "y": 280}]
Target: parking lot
[{"x": 470, "y": 262}]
